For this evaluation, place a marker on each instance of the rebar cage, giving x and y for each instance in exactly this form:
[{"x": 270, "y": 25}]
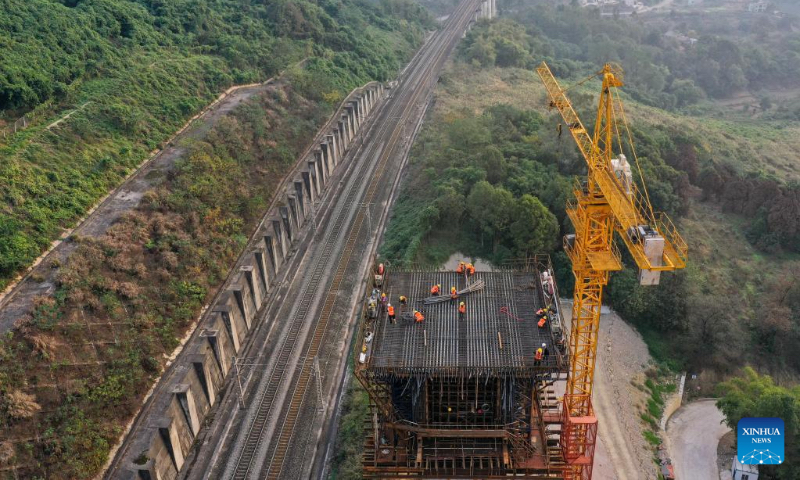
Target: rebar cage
[{"x": 462, "y": 395}]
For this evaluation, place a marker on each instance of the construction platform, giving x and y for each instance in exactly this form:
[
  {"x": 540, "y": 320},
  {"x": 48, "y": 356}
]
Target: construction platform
[
  {"x": 497, "y": 336},
  {"x": 459, "y": 396}
]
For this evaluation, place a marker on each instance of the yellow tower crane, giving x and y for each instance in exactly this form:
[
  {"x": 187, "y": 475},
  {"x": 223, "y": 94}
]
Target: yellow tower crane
[{"x": 607, "y": 201}]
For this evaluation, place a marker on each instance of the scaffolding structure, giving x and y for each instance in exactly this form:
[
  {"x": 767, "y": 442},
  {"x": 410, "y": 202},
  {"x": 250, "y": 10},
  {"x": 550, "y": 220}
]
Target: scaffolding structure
[{"x": 463, "y": 396}]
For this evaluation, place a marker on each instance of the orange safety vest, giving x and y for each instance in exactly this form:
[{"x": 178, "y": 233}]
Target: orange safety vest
[
  {"x": 391, "y": 311},
  {"x": 460, "y": 268},
  {"x": 453, "y": 292},
  {"x": 435, "y": 289},
  {"x": 418, "y": 316},
  {"x": 538, "y": 355},
  {"x": 462, "y": 309},
  {"x": 471, "y": 269},
  {"x": 542, "y": 321}
]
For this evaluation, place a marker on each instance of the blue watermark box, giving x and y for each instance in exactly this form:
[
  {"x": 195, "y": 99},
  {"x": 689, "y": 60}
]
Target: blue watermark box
[{"x": 760, "y": 441}]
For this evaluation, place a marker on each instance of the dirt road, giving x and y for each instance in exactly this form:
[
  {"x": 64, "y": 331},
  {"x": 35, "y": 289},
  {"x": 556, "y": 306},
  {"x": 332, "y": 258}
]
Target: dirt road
[
  {"x": 693, "y": 434},
  {"x": 621, "y": 452}
]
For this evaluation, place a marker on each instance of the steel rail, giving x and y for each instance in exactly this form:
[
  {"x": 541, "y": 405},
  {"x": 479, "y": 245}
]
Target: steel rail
[
  {"x": 272, "y": 470},
  {"x": 300, "y": 383}
]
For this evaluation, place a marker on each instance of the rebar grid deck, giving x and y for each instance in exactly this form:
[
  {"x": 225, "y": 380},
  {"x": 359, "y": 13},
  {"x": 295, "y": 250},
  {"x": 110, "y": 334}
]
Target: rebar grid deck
[{"x": 498, "y": 335}]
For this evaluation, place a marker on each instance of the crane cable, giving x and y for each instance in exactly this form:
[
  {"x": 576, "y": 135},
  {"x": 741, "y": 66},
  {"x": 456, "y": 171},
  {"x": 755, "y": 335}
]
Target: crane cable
[
  {"x": 635, "y": 157},
  {"x": 581, "y": 82}
]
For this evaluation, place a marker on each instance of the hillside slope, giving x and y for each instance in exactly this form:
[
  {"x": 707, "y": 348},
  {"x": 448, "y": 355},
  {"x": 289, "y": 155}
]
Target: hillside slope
[
  {"x": 75, "y": 371},
  {"x": 101, "y": 83}
]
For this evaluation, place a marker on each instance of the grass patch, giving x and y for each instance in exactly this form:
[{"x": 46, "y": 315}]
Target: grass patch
[
  {"x": 652, "y": 438},
  {"x": 346, "y": 463}
]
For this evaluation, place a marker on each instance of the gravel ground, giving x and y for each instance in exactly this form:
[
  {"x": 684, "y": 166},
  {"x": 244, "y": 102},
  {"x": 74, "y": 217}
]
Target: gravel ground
[
  {"x": 622, "y": 453},
  {"x": 726, "y": 450}
]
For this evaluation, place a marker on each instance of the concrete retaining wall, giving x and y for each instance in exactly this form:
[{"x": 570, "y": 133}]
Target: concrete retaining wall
[{"x": 159, "y": 449}]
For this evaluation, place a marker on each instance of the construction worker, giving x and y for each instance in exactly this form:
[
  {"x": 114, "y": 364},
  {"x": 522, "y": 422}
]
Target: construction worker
[
  {"x": 561, "y": 343},
  {"x": 462, "y": 310},
  {"x": 537, "y": 358},
  {"x": 545, "y": 352},
  {"x": 453, "y": 293},
  {"x": 470, "y": 269},
  {"x": 435, "y": 290},
  {"x": 460, "y": 268},
  {"x": 381, "y": 269},
  {"x": 403, "y": 300},
  {"x": 418, "y": 317},
  {"x": 542, "y": 321},
  {"x": 390, "y": 309}
]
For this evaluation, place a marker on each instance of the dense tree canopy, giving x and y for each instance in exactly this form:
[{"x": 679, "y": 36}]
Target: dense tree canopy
[
  {"x": 484, "y": 182},
  {"x": 123, "y": 75},
  {"x": 47, "y": 46},
  {"x": 663, "y": 67},
  {"x": 754, "y": 395}
]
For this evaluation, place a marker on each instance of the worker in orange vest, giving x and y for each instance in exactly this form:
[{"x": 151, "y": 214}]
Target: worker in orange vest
[
  {"x": 462, "y": 309},
  {"x": 537, "y": 359},
  {"x": 470, "y": 269},
  {"x": 418, "y": 316},
  {"x": 390, "y": 309},
  {"x": 460, "y": 268},
  {"x": 542, "y": 322},
  {"x": 453, "y": 293},
  {"x": 435, "y": 290}
]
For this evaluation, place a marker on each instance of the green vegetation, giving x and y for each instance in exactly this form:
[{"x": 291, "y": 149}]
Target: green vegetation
[
  {"x": 658, "y": 385},
  {"x": 124, "y": 75},
  {"x": 721, "y": 174},
  {"x": 669, "y": 61},
  {"x": 710, "y": 175},
  {"x": 754, "y": 395},
  {"x": 76, "y": 370},
  {"x": 479, "y": 183},
  {"x": 346, "y": 463}
]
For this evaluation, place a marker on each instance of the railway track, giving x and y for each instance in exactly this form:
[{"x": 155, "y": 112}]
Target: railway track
[{"x": 424, "y": 69}]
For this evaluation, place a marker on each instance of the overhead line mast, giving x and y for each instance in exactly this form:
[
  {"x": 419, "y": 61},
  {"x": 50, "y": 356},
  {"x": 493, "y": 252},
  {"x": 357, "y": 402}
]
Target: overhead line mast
[{"x": 607, "y": 201}]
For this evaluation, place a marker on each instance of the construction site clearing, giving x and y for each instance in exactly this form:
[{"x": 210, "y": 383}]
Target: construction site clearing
[{"x": 462, "y": 395}]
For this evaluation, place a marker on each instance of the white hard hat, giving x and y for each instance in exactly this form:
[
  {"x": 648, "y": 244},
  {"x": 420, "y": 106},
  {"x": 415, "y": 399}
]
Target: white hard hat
[{"x": 544, "y": 345}]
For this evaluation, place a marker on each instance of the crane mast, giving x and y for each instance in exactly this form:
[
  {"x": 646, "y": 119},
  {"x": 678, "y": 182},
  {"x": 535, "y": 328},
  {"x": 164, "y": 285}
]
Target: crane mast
[{"x": 608, "y": 201}]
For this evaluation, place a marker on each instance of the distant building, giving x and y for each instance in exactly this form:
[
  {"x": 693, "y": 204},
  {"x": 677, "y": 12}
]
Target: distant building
[
  {"x": 758, "y": 7},
  {"x": 681, "y": 38},
  {"x": 740, "y": 471}
]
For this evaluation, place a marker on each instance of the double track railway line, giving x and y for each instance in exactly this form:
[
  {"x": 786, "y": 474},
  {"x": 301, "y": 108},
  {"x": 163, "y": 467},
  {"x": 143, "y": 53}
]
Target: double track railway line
[{"x": 266, "y": 435}]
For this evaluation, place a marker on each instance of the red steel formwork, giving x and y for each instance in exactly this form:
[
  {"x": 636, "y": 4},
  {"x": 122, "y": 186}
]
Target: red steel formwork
[{"x": 578, "y": 437}]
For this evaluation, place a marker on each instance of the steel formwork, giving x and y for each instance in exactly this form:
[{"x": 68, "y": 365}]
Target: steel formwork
[{"x": 463, "y": 396}]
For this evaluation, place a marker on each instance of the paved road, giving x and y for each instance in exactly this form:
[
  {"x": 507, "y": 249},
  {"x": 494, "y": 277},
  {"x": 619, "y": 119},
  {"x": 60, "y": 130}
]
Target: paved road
[{"x": 693, "y": 434}]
